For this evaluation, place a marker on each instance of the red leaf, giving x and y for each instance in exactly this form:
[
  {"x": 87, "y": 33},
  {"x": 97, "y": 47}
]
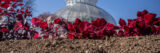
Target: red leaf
[
  {"x": 144, "y": 12},
  {"x": 109, "y": 26},
  {"x": 36, "y": 35},
  {"x": 122, "y": 22},
  {"x": 141, "y": 14},
  {"x": 132, "y": 24},
  {"x": 70, "y": 36},
  {"x": 57, "y": 21},
  {"x": 7, "y": 1},
  {"x": 127, "y": 30},
  {"x": 103, "y": 21},
  {"x": 13, "y": 0},
  {"x": 77, "y": 21},
  {"x": 45, "y": 37},
  {"x": 36, "y": 21},
  {"x": 5, "y": 30},
  {"x": 130, "y": 20},
  {"x": 14, "y": 4},
  {"x": 99, "y": 22},
  {"x": 1, "y": 10},
  {"x": 153, "y": 29},
  {"x": 139, "y": 19},
  {"x": 149, "y": 18},
  {"x": 136, "y": 30},
  {"x": 22, "y": 12},
  {"x": 26, "y": 28},
  {"x": 27, "y": 10},
  {"x": 44, "y": 25},
  {"x": 135, "y": 34},
  {"x": 19, "y": 16},
  {"x": 6, "y": 5},
  {"x": 18, "y": 26},
  {"x": 141, "y": 24},
  {"x": 69, "y": 27},
  {"x": 120, "y": 33},
  {"x": 96, "y": 22},
  {"x": 156, "y": 22}
]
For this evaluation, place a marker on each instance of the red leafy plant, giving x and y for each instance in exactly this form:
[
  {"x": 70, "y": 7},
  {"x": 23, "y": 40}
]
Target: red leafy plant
[
  {"x": 49, "y": 30},
  {"x": 97, "y": 29},
  {"x": 145, "y": 24},
  {"x": 17, "y": 26}
]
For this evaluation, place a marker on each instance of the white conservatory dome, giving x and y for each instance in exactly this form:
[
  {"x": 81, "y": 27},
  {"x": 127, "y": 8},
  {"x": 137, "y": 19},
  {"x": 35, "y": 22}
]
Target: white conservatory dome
[{"x": 85, "y": 10}]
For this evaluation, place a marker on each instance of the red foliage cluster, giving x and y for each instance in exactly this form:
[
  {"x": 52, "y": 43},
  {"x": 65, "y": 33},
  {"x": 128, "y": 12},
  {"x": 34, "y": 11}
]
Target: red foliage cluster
[
  {"x": 47, "y": 29},
  {"x": 97, "y": 29},
  {"x": 17, "y": 26},
  {"x": 145, "y": 24},
  {"x": 16, "y": 15}
]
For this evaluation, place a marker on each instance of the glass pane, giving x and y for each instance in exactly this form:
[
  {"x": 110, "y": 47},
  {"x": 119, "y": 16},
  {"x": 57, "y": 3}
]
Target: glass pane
[{"x": 86, "y": 10}]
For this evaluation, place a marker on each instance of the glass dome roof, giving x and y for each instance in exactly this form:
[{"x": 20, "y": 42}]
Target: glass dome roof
[{"x": 86, "y": 10}]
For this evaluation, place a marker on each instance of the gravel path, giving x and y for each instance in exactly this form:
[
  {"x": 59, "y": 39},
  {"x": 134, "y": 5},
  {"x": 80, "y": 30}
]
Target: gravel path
[{"x": 145, "y": 44}]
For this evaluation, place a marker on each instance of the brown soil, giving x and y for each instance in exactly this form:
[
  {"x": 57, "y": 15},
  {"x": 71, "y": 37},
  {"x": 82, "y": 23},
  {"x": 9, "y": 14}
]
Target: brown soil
[{"x": 145, "y": 44}]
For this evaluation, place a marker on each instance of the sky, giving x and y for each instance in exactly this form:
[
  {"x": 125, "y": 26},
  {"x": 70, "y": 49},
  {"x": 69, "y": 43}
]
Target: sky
[{"x": 126, "y": 9}]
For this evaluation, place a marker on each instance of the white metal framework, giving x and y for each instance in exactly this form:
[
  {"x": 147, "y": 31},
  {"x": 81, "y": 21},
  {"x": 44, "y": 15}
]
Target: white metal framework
[{"x": 86, "y": 10}]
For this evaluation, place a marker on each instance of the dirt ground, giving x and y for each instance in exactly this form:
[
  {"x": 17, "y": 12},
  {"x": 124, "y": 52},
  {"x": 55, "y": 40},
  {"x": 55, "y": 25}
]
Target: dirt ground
[{"x": 145, "y": 44}]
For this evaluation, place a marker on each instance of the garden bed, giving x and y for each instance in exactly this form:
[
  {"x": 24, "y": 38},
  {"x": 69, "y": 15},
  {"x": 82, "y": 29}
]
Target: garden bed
[{"x": 144, "y": 44}]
